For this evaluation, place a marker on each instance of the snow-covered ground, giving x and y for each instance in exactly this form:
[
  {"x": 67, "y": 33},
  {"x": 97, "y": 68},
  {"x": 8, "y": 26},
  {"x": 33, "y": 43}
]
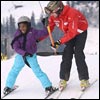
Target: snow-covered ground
[
  {"x": 31, "y": 88},
  {"x": 92, "y": 43}
]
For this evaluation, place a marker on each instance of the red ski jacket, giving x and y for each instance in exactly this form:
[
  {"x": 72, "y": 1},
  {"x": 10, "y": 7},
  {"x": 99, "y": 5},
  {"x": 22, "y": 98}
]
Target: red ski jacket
[{"x": 71, "y": 21}]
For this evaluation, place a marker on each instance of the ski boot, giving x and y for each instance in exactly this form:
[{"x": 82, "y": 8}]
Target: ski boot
[
  {"x": 50, "y": 90},
  {"x": 62, "y": 85},
  {"x": 84, "y": 84},
  {"x": 7, "y": 90}
]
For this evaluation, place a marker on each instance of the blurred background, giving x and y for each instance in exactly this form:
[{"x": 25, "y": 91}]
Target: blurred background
[{"x": 12, "y": 10}]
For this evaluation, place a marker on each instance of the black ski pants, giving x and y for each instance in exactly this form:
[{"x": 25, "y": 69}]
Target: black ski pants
[{"x": 76, "y": 47}]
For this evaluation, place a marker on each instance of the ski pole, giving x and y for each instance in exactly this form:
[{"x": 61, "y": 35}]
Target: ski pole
[
  {"x": 41, "y": 7},
  {"x": 48, "y": 28},
  {"x": 51, "y": 39}
]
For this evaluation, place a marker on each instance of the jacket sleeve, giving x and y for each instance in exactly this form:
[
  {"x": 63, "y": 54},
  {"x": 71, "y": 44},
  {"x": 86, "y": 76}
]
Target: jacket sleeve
[
  {"x": 41, "y": 33},
  {"x": 17, "y": 48},
  {"x": 72, "y": 29}
]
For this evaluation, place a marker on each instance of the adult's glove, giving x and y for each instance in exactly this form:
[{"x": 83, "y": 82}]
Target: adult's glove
[{"x": 56, "y": 45}]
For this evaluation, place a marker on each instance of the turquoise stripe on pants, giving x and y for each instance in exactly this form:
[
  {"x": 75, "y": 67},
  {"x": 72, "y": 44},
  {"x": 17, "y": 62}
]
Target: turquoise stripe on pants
[{"x": 19, "y": 64}]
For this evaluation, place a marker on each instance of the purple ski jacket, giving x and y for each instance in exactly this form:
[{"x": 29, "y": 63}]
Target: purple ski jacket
[{"x": 22, "y": 45}]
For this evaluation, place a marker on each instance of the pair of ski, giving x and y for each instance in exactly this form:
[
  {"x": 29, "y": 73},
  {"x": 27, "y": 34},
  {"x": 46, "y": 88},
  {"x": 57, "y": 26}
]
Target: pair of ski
[
  {"x": 16, "y": 86},
  {"x": 80, "y": 94}
]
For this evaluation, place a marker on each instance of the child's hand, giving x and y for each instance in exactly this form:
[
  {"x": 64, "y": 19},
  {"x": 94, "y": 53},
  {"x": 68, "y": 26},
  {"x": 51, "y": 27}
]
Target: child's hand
[{"x": 28, "y": 54}]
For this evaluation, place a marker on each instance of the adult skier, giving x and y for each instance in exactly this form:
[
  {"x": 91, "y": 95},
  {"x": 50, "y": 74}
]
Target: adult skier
[
  {"x": 74, "y": 26},
  {"x": 24, "y": 43}
]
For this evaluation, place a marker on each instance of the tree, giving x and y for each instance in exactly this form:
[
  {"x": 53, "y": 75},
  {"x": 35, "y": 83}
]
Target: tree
[
  {"x": 40, "y": 24},
  {"x": 7, "y": 26},
  {"x": 2, "y": 29},
  {"x": 12, "y": 25},
  {"x": 72, "y": 3},
  {"x": 33, "y": 24}
]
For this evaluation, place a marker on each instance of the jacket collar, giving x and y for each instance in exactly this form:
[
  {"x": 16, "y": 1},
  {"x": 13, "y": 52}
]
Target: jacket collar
[{"x": 65, "y": 11}]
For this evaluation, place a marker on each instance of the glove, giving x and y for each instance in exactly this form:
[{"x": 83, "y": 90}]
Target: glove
[
  {"x": 45, "y": 21},
  {"x": 56, "y": 45},
  {"x": 37, "y": 41},
  {"x": 27, "y": 54}
]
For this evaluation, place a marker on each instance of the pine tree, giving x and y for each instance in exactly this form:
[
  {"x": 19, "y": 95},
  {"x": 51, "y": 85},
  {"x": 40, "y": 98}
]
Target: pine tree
[
  {"x": 33, "y": 24},
  {"x": 7, "y": 27},
  {"x": 12, "y": 25},
  {"x": 2, "y": 29},
  {"x": 39, "y": 24}
]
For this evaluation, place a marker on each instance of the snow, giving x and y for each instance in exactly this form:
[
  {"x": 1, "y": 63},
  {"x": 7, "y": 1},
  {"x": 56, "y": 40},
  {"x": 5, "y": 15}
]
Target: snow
[
  {"x": 92, "y": 43},
  {"x": 31, "y": 88}
]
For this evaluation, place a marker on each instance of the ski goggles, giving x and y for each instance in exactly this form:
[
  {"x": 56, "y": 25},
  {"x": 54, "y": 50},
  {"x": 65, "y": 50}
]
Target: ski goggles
[{"x": 48, "y": 11}]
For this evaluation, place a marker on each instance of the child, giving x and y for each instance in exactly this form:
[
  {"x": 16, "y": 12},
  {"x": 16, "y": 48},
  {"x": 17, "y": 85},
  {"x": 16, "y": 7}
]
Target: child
[
  {"x": 74, "y": 26},
  {"x": 24, "y": 44}
]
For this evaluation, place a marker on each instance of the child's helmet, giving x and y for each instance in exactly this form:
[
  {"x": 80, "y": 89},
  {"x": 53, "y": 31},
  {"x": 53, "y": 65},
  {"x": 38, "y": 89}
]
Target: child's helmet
[{"x": 24, "y": 19}]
